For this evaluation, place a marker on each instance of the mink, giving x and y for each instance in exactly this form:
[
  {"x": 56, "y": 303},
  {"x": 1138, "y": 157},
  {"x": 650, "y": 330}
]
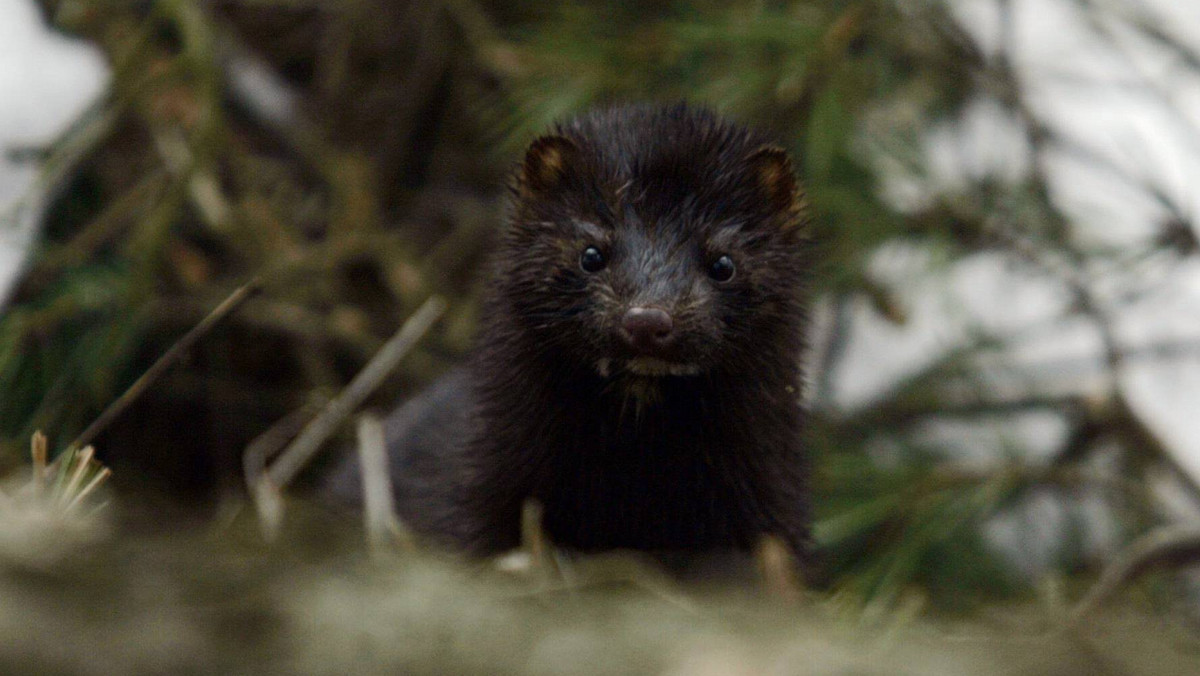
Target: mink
[{"x": 638, "y": 360}]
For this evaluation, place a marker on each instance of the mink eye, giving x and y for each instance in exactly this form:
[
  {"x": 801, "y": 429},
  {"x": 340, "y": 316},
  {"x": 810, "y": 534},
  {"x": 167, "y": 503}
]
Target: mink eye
[
  {"x": 592, "y": 260},
  {"x": 722, "y": 269}
]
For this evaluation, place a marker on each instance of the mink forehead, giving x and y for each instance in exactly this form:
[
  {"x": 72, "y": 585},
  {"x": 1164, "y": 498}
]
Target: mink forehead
[
  {"x": 677, "y": 166},
  {"x": 695, "y": 216},
  {"x": 687, "y": 201},
  {"x": 648, "y": 144}
]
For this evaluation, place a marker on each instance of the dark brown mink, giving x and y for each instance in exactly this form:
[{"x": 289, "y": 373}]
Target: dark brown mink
[{"x": 637, "y": 368}]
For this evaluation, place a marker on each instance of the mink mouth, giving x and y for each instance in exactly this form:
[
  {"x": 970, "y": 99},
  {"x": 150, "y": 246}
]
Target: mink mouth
[{"x": 646, "y": 366}]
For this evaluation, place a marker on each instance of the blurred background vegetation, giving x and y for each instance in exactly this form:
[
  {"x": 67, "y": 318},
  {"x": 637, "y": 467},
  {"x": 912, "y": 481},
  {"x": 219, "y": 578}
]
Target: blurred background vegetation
[{"x": 353, "y": 154}]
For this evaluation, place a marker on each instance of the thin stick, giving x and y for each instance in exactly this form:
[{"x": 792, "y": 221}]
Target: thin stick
[
  {"x": 268, "y": 504},
  {"x": 379, "y": 511},
  {"x": 254, "y": 459},
  {"x": 305, "y": 446},
  {"x": 173, "y": 355}
]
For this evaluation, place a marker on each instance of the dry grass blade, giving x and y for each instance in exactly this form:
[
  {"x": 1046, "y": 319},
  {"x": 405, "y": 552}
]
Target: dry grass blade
[
  {"x": 99, "y": 478},
  {"x": 169, "y": 358},
  {"x": 39, "y": 451},
  {"x": 533, "y": 538},
  {"x": 304, "y": 447},
  {"x": 266, "y": 483},
  {"x": 779, "y": 571},
  {"x": 77, "y": 473},
  {"x": 379, "y": 512},
  {"x": 61, "y": 486},
  {"x": 82, "y": 460},
  {"x": 268, "y": 504}
]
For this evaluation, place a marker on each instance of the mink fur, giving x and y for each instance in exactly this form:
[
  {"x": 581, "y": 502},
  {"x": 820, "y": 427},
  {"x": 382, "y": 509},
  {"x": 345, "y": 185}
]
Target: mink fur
[{"x": 687, "y": 445}]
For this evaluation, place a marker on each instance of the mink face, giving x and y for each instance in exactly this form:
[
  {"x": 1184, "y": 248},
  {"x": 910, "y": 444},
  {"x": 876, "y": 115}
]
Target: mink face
[
  {"x": 654, "y": 256},
  {"x": 653, "y": 242}
]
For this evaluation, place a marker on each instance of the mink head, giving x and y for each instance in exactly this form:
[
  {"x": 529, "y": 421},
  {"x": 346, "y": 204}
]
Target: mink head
[{"x": 654, "y": 242}]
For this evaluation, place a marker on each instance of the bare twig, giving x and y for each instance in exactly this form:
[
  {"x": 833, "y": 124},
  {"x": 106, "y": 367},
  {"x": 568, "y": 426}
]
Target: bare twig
[
  {"x": 1167, "y": 546},
  {"x": 254, "y": 459},
  {"x": 831, "y": 351},
  {"x": 899, "y": 414},
  {"x": 178, "y": 350},
  {"x": 1146, "y": 444},
  {"x": 296, "y": 456},
  {"x": 98, "y": 232},
  {"x": 832, "y": 51},
  {"x": 260, "y": 92}
]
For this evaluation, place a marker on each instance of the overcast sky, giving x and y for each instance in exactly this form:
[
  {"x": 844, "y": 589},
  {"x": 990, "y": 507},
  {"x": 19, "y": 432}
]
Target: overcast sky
[{"x": 46, "y": 79}]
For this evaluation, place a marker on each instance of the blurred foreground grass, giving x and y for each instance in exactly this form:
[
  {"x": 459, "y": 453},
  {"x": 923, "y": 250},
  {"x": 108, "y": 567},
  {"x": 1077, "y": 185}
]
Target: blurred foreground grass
[
  {"x": 79, "y": 595},
  {"x": 222, "y": 602}
]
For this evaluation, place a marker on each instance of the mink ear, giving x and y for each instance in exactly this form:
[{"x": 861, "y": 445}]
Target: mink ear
[
  {"x": 548, "y": 164},
  {"x": 772, "y": 169}
]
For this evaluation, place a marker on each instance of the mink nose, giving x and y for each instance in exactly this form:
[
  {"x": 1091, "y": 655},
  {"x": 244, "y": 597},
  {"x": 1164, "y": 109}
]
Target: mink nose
[{"x": 647, "y": 329}]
